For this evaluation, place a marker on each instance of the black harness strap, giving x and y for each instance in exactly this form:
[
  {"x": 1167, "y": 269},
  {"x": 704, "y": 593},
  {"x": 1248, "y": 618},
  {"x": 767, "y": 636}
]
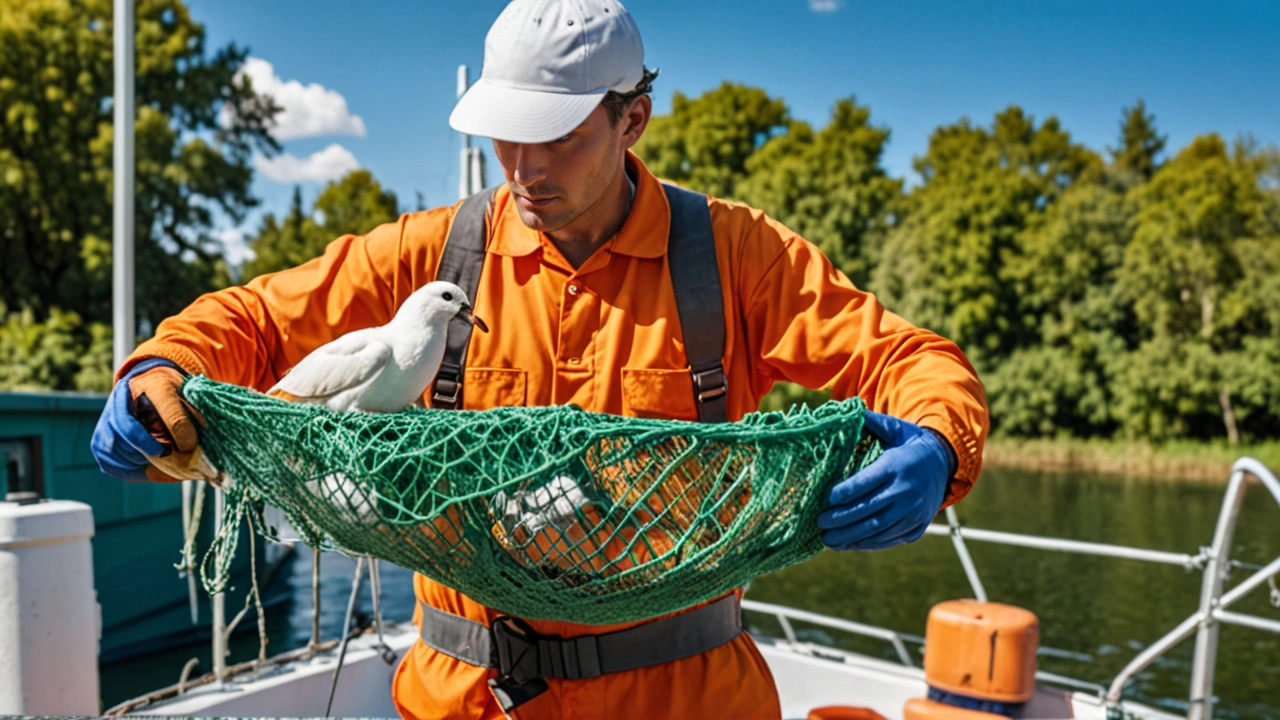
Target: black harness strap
[
  {"x": 460, "y": 264},
  {"x": 695, "y": 277}
]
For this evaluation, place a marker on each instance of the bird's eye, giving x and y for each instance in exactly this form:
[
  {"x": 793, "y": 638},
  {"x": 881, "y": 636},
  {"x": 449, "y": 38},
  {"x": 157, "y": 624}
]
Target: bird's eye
[{"x": 448, "y": 297}]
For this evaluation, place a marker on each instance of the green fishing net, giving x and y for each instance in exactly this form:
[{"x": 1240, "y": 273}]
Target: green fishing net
[{"x": 539, "y": 512}]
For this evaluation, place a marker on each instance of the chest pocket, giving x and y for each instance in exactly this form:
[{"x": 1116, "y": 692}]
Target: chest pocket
[
  {"x": 666, "y": 394},
  {"x": 494, "y": 387}
]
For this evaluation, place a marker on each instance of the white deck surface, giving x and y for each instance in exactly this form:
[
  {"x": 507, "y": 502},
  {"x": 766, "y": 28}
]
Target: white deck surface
[{"x": 804, "y": 681}]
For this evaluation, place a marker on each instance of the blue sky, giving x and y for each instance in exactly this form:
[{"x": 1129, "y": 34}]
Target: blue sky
[{"x": 1201, "y": 67}]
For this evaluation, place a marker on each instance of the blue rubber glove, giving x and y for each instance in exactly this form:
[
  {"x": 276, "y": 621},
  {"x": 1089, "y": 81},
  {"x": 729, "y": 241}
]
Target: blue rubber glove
[
  {"x": 894, "y": 499},
  {"x": 119, "y": 440}
]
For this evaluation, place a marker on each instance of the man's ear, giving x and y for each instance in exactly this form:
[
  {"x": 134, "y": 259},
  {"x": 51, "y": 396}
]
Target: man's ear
[{"x": 635, "y": 120}]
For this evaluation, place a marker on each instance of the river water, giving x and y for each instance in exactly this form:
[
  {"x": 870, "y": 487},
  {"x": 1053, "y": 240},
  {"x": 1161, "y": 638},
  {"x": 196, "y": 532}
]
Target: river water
[{"x": 1096, "y": 614}]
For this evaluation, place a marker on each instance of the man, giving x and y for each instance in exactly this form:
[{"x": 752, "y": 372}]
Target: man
[{"x": 577, "y": 289}]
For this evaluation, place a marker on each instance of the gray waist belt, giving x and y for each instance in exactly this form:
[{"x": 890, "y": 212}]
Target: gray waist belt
[{"x": 524, "y": 658}]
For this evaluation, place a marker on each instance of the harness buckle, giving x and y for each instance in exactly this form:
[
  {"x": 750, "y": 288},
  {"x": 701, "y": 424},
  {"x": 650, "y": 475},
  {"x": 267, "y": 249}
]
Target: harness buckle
[
  {"x": 515, "y": 647},
  {"x": 448, "y": 385},
  {"x": 710, "y": 383}
]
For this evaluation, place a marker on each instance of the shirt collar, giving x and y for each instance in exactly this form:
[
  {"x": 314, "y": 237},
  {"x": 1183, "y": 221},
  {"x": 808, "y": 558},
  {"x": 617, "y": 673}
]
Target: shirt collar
[{"x": 643, "y": 233}]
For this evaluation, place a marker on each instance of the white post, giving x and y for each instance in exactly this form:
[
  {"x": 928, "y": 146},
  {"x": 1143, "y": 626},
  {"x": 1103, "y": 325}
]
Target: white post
[
  {"x": 464, "y": 178},
  {"x": 123, "y": 317},
  {"x": 49, "y": 615},
  {"x": 219, "y": 601},
  {"x": 187, "y": 490}
]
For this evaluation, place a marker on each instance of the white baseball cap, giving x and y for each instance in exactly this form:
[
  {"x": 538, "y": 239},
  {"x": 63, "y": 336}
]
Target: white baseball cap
[{"x": 547, "y": 65}]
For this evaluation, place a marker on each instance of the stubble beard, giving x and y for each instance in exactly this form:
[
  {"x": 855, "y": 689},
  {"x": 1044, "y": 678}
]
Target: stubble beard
[{"x": 597, "y": 185}]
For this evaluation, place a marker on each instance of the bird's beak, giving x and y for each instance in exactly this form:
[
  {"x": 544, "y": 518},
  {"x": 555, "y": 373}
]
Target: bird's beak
[{"x": 472, "y": 318}]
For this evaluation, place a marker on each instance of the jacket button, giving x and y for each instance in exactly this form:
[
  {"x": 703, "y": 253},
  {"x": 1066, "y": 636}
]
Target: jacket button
[{"x": 573, "y": 289}]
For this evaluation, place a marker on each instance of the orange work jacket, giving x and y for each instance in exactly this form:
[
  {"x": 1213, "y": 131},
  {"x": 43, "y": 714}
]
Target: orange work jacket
[{"x": 605, "y": 336}]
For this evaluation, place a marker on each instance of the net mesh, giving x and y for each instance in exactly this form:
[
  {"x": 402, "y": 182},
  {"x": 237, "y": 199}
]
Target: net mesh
[{"x": 539, "y": 512}]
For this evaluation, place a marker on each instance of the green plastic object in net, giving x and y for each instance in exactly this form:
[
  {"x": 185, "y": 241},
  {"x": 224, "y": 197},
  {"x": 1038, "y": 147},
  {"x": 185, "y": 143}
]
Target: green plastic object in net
[{"x": 538, "y": 512}]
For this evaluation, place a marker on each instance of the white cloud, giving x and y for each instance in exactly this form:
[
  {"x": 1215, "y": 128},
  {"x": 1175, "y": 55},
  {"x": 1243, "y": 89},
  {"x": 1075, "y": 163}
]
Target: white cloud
[
  {"x": 825, "y": 6},
  {"x": 307, "y": 110},
  {"x": 328, "y": 164},
  {"x": 234, "y": 247}
]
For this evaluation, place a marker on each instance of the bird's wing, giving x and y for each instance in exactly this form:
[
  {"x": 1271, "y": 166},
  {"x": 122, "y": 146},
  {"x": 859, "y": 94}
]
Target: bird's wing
[{"x": 345, "y": 363}]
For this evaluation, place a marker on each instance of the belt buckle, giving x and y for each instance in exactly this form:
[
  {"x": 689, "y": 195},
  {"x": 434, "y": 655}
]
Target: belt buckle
[
  {"x": 517, "y": 649},
  {"x": 516, "y": 656}
]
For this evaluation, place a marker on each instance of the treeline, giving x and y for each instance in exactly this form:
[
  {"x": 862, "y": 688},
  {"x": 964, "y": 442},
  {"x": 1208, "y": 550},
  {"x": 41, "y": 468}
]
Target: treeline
[
  {"x": 1132, "y": 291},
  {"x": 196, "y": 130},
  {"x": 198, "y": 126}
]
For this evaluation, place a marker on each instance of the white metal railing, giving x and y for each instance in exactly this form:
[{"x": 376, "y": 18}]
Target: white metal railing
[
  {"x": 785, "y": 615},
  {"x": 1213, "y": 603},
  {"x": 1214, "y": 562}
]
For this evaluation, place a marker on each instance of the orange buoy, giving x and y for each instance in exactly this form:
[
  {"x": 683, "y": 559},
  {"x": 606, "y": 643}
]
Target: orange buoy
[
  {"x": 925, "y": 709},
  {"x": 982, "y": 650},
  {"x": 844, "y": 712}
]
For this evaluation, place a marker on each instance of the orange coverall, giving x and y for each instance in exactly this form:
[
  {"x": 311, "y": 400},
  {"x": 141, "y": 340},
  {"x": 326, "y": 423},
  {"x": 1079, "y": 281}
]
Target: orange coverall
[{"x": 606, "y": 337}]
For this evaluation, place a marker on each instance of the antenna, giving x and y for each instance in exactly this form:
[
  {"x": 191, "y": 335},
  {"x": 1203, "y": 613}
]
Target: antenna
[
  {"x": 464, "y": 177},
  {"x": 471, "y": 177}
]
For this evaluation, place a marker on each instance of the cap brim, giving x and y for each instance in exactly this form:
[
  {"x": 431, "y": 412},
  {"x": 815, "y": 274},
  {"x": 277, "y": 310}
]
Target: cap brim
[{"x": 522, "y": 116}]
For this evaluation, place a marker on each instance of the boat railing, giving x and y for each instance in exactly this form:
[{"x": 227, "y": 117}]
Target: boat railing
[
  {"x": 1214, "y": 562},
  {"x": 785, "y": 616}
]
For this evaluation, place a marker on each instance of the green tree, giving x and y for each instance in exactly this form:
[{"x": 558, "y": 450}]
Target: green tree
[
  {"x": 945, "y": 265},
  {"x": 1189, "y": 218},
  {"x": 1256, "y": 385},
  {"x": 56, "y": 80},
  {"x": 829, "y": 187},
  {"x": 1139, "y": 143},
  {"x": 1064, "y": 274},
  {"x": 1197, "y": 272},
  {"x": 61, "y": 352},
  {"x": 1167, "y": 389},
  {"x": 1046, "y": 390},
  {"x": 353, "y": 205},
  {"x": 704, "y": 143}
]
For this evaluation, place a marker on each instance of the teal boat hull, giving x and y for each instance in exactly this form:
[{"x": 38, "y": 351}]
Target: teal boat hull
[{"x": 138, "y": 536}]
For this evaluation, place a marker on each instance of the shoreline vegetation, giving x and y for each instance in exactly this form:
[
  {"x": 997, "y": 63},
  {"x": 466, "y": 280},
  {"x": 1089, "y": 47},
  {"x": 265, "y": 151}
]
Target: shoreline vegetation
[{"x": 1184, "y": 460}]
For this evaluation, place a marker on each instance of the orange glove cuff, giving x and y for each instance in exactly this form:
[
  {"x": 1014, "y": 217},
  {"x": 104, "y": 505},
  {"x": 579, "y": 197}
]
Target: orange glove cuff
[{"x": 158, "y": 404}]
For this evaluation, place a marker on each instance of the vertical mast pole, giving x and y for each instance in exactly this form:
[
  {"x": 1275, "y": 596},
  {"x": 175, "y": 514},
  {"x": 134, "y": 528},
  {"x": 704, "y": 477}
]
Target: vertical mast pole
[{"x": 123, "y": 317}]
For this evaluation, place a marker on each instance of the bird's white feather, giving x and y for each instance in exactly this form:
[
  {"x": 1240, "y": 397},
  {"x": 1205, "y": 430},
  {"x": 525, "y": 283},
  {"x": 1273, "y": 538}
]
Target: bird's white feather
[{"x": 349, "y": 362}]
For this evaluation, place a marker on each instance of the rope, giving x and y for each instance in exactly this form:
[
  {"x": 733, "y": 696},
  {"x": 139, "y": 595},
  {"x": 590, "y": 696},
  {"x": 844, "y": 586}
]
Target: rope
[
  {"x": 188, "y": 566},
  {"x": 257, "y": 596}
]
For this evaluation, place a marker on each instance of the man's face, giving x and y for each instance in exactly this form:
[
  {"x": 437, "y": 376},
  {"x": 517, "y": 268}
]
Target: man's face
[{"x": 556, "y": 183}]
